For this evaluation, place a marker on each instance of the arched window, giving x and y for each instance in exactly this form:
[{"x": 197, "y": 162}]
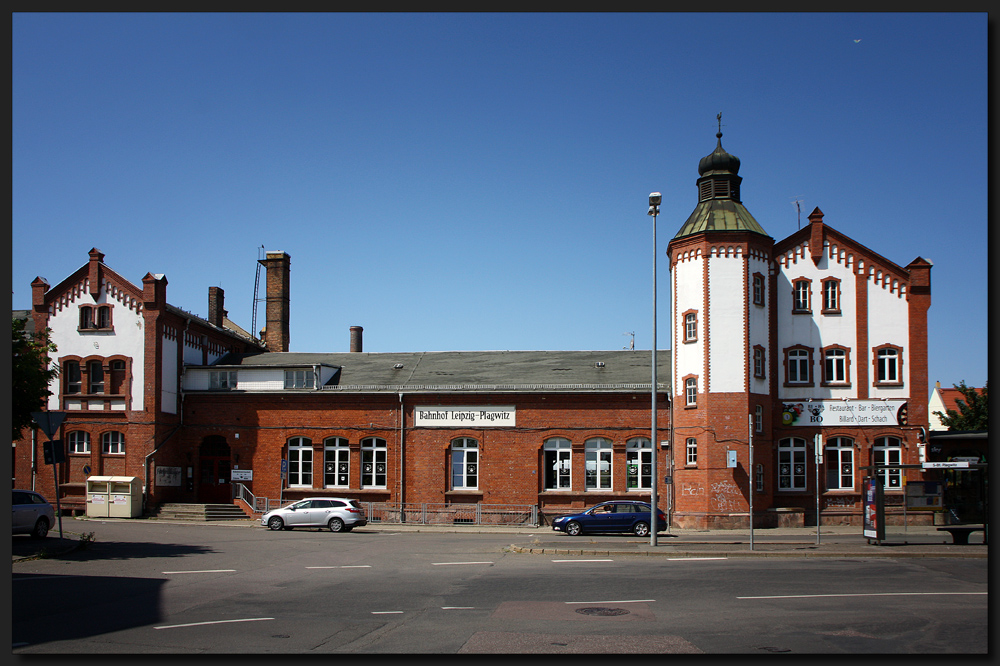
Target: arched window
[
  {"x": 113, "y": 442},
  {"x": 638, "y": 464},
  {"x": 79, "y": 441},
  {"x": 336, "y": 463},
  {"x": 374, "y": 455},
  {"x": 691, "y": 391},
  {"x": 556, "y": 463},
  {"x": 597, "y": 455},
  {"x": 464, "y": 464},
  {"x": 300, "y": 462},
  {"x": 86, "y": 317},
  {"x": 840, "y": 463}
]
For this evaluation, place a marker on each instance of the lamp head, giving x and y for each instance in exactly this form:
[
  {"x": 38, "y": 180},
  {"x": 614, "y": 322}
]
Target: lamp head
[{"x": 655, "y": 198}]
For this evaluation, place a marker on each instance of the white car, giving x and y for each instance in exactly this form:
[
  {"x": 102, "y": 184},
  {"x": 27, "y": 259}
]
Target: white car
[
  {"x": 32, "y": 514},
  {"x": 337, "y": 514}
]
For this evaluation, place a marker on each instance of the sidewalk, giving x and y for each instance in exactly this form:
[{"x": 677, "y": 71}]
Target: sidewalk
[{"x": 834, "y": 541}]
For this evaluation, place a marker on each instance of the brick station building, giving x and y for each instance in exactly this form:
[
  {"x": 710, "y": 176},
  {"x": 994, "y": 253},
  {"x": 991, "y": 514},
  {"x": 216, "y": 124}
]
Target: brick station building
[{"x": 772, "y": 344}]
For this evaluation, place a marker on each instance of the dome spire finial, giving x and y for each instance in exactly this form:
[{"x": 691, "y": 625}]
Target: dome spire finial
[{"x": 719, "y": 118}]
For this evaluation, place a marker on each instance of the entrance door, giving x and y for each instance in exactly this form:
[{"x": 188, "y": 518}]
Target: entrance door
[{"x": 214, "y": 486}]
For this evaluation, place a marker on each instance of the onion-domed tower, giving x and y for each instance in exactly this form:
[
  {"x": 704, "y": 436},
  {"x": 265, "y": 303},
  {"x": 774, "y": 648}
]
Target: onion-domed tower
[{"x": 722, "y": 333}]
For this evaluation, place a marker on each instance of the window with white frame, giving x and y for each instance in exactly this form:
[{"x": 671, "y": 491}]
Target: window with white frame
[
  {"x": 113, "y": 442},
  {"x": 835, "y": 364},
  {"x": 831, "y": 296},
  {"x": 758, "y": 362},
  {"x": 691, "y": 392},
  {"x": 691, "y": 450},
  {"x": 638, "y": 464},
  {"x": 758, "y": 289},
  {"x": 888, "y": 451},
  {"x": 792, "y": 464},
  {"x": 556, "y": 455},
  {"x": 79, "y": 441},
  {"x": 801, "y": 296},
  {"x": 840, "y": 463},
  {"x": 295, "y": 379},
  {"x": 690, "y": 326},
  {"x": 797, "y": 366},
  {"x": 222, "y": 380},
  {"x": 758, "y": 418},
  {"x": 300, "y": 462},
  {"x": 464, "y": 464},
  {"x": 597, "y": 458},
  {"x": 336, "y": 463},
  {"x": 374, "y": 465},
  {"x": 888, "y": 364}
]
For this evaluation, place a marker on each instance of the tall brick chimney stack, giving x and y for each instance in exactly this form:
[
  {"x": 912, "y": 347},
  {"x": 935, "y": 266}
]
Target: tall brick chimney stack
[
  {"x": 216, "y": 298},
  {"x": 277, "y": 265},
  {"x": 356, "y": 341}
]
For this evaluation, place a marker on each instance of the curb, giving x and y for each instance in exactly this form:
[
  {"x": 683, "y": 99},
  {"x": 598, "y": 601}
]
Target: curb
[{"x": 735, "y": 553}]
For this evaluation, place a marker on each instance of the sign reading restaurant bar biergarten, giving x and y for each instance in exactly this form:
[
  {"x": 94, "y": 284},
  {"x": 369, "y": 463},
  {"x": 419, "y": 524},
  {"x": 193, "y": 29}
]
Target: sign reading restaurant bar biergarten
[
  {"x": 488, "y": 416},
  {"x": 844, "y": 413}
]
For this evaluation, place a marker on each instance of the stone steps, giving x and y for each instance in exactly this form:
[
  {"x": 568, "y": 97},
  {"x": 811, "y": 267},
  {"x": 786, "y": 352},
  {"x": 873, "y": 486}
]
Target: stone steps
[{"x": 206, "y": 512}]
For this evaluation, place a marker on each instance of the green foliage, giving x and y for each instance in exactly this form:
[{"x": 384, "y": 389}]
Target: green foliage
[
  {"x": 973, "y": 412},
  {"x": 30, "y": 374}
]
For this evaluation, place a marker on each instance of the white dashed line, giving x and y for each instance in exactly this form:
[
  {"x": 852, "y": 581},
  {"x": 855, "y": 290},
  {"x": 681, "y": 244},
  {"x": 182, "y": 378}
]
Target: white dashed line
[
  {"x": 619, "y": 601},
  {"x": 201, "y": 571},
  {"x": 863, "y": 594},
  {"x": 442, "y": 564},
  {"x": 583, "y": 560},
  {"x": 198, "y": 624},
  {"x": 386, "y": 612},
  {"x": 345, "y": 566}
]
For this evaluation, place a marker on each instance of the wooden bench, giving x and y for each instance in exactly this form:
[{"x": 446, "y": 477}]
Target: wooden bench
[{"x": 960, "y": 533}]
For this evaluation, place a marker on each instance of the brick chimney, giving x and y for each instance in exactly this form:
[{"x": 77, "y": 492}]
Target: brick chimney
[
  {"x": 216, "y": 298},
  {"x": 277, "y": 265},
  {"x": 94, "y": 272},
  {"x": 356, "y": 338}
]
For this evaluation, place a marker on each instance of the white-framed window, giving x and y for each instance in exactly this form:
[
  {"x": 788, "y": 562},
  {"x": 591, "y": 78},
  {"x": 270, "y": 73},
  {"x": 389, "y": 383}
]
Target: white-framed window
[
  {"x": 113, "y": 442},
  {"x": 888, "y": 362},
  {"x": 691, "y": 451},
  {"x": 758, "y": 362},
  {"x": 758, "y": 418},
  {"x": 95, "y": 377},
  {"x": 72, "y": 377},
  {"x": 222, "y": 380},
  {"x": 638, "y": 464},
  {"x": 464, "y": 464},
  {"x": 79, "y": 441},
  {"x": 691, "y": 391},
  {"x": 835, "y": 366},
  {"x": 797, "y": 366},
  {"x": 374, "y": 465},
  {"x": 336, "y": 463},
  {"x": 889, "y": 451},
  {"x": 801, "y": 296},
  {"x": 690, "y": 326},
  {"x": 758, "y": 289},
  {"x": 556, "y": 455},
  {"x": 597, "y": 456},
  {"x": 300, "y": 462},
  {"x": 792, "y": 464},
  {"x": 840, "y": 463},
  {"x": 296, "y": 379},
  {"x": 831, "y": 296}
]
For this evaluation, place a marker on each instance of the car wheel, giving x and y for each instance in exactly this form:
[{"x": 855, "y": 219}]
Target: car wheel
[
  {"x": 573, "y": 528},
  {"x": 336, "y": 525},
  {"x": 641, "y": 529},
  {"x": 276, "y": 524},
  {"x": 41, "y": 529}
]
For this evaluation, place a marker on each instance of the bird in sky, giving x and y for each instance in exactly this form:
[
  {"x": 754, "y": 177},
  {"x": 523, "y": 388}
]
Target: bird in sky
[{"x": 856, "y": 41}]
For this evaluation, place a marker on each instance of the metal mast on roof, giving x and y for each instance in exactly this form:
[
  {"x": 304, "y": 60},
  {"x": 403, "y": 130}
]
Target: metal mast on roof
[{"x": 256, "y": 285}]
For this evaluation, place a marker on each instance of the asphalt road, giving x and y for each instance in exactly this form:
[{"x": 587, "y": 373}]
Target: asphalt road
[{"x": 144, "y": 587}]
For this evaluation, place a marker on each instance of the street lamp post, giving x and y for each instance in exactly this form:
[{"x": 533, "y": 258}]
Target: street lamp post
[{"x": 654, "y": 209}]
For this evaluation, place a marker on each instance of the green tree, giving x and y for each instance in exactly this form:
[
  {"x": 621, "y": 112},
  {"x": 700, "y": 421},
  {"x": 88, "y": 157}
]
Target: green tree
[
  {"x": 30, "y": 375},
  {"x": 973, "y": 412}
]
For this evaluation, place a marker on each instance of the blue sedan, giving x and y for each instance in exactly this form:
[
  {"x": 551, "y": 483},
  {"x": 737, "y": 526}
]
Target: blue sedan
[{"x": 614, "y": 516}]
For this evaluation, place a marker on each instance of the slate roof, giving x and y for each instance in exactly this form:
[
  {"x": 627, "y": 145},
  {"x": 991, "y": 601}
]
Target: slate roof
[{"x": 475, "y": 371}]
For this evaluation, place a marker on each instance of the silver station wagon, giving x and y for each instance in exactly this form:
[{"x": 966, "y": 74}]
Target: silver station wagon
[{"x": 336, "y": 514}]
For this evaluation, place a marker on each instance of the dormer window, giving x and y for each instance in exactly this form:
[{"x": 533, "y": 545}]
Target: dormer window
[
  {"x": 297, "y": 379},
  {"x": 95, "y": 318}
]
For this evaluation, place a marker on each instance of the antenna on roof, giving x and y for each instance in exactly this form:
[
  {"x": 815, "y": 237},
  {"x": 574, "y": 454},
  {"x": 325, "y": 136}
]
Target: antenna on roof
[
  {"x": 798, "y": 209},
  {"x": 631, "y": 344},
  {"x": 256, "y": 285}
]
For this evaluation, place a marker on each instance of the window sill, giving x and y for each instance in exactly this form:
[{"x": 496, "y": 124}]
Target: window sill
[
  {"x": 802, "y": 312},
  {"x": 831, "y": 312}
]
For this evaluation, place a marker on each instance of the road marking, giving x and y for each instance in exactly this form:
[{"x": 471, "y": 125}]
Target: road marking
[
  {"x": 865, "y": 594},
  {"x": 458, "y": 607},
  {"x": 201, "y": 571},
  {"x": 197, "y": 624},
  {"x": 583, "y": 560},
  {"x": 683, "y": 559},
  {"x": 620, "y": 601},
  {"x": 442, "y": 564},
  {"x": 386, "y": 612},
  {"x": 345, "y": 566}
]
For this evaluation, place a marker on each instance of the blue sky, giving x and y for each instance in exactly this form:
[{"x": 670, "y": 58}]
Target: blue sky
[{"x": 479, "y": 181}]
